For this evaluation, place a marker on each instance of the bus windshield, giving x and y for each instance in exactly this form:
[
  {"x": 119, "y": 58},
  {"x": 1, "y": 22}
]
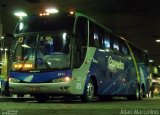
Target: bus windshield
[{"x": 42, "y": 51}]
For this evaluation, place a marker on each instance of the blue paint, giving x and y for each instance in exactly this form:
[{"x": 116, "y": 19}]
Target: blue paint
[
  {"x": 118, "y": 82},
  {"x": 40, "y": 76}
]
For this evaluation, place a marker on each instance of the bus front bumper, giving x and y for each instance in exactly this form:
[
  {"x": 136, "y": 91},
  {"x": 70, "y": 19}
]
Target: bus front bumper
[{"x": 46, "y": 88}]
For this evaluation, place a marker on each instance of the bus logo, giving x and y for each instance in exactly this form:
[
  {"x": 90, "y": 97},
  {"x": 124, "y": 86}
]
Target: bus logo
[{"x": 114, "y": 65}]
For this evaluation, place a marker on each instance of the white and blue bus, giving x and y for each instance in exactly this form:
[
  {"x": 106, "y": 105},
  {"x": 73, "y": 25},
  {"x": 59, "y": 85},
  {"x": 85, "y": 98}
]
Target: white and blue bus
[{"x": 71, "y": 54}]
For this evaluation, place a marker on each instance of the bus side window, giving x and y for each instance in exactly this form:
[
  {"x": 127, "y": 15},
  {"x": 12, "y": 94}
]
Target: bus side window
[
  {"x": 96, "y": 39},
  {"x": 125, "y": 50},
  {"x": 96, "y": 34},
  {"x": 116, "y": 47},
  {"x": 138, "y": 54},
  {"x": 146, "y": 60},
  {"x": 106, "y": 42}
]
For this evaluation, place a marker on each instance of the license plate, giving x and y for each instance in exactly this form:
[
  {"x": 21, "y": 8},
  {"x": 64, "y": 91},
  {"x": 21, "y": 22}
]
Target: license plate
[{"x": 35, "y": 89}]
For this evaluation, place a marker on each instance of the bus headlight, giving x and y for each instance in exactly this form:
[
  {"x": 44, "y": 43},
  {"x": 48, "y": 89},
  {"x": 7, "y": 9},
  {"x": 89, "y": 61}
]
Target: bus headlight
[
  {"x": 63, "y": 79},
  {"x": 13, "y": 80},
  {"x": 156, "y": 90}
]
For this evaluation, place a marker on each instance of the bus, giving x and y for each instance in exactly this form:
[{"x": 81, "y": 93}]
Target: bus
[
  {"x": 70, "y": 54},
  {"x": 4, "y": 64}
]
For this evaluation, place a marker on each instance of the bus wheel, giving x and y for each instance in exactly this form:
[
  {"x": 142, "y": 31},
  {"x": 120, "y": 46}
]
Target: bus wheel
[
  {"x": 138, "y": 94},
  {"x": 89, "y": 95},
  {"x": 143, "y": 93},
  {"x": 41, "y": 98}
]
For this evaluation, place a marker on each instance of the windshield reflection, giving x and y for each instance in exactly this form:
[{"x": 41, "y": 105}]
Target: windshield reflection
[{"x": 44, "y": 51}]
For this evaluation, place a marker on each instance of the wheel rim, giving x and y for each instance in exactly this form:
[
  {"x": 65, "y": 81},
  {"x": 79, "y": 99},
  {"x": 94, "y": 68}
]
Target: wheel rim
[
  {"x": 90, "y": 90},
  {"x": 137, "y": 93},
  {"x": 141, "y": 93}
]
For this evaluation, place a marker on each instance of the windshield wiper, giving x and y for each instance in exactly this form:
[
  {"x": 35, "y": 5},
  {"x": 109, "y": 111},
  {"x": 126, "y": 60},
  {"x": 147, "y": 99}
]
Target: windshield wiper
[{"x": 43, "y": 60}]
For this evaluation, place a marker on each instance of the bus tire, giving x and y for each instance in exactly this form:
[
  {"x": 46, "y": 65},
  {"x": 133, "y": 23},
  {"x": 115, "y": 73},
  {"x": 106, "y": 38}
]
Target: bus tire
[
  {"x": 89, "y": 95},
  {"x": 137, "y": 95},
  {"x": 143, "y": 92},
  {"x": 41, "y": 98}
]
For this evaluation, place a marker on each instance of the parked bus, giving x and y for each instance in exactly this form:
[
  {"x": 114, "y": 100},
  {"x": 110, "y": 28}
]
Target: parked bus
[
  {"x": 71, "y": 54},
  {"x": 4, "y": 64}
]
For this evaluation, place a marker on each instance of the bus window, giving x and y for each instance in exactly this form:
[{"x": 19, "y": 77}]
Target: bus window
[
  {"x": 49, "y": 44},
  {"x": 96, "y": 34},
  {"x": 116, "y": 45},
  {"x": 125, "y": 50},
  {"x": 106, "y": 42},
  {"x": 145, "y": 58},
  {"x": 96, "y": 38}
]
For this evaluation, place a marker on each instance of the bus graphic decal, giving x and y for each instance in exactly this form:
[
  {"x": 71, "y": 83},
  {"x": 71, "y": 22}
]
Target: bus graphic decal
[{"x": 114, "y": 65}]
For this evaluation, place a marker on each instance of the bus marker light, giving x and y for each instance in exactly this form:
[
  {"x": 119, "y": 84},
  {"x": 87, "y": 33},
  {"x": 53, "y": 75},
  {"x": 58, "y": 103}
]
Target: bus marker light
[
  {"x": 44, "y": 14},
  {"x": 71, "y": 12},
  {"x": 52, "y": 10},
  {"x": 20, "y": 14},
  {"x": 158, "y": 40}
]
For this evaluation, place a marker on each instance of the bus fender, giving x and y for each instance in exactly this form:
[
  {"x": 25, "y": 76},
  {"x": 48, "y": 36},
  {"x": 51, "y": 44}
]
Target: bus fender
[{"x": 93, "y": 78}]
